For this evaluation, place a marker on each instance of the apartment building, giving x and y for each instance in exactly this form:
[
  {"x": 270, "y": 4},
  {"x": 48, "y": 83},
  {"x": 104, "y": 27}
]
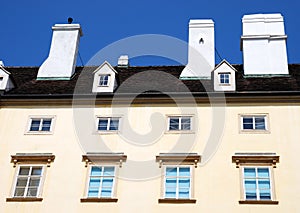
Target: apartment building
[{"x": 197, "y": 138}]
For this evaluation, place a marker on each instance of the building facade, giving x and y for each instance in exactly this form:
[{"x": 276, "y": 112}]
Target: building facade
[{"x": 196, "y": 138}]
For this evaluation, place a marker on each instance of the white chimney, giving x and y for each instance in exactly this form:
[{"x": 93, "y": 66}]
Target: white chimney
[
  {"x": 201, "y": 55},
  {"x": 61, "y": 62},
  {"x": 123, "y": 61},
  {"x": 264, "y": 45}
]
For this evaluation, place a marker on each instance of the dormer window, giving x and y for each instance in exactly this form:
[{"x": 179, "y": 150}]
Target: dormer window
[
  {"x": 104, "y": 80},
  {"x": 224, "y": 78}
]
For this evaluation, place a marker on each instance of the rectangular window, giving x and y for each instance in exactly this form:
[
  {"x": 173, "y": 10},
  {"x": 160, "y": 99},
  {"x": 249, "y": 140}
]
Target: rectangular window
[
  {"x": 257, "y": 183},
  {"x": 28, "y": 181},
  {"x": 177, "y": 182},
  {"x": 224, "y": 78},
  {"x": 40, "y": 124},
  {"x": 108, "y": 124},
  {"x": 104, "y": 80},
  {"x": 101, "y": 182},
  {"x": 179, "y": 123},
  {"x": 254, "y": 122}
]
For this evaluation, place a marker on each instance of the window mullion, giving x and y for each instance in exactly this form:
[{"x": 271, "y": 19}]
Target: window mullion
[
  {"x": 108, "y": 124},
  {"x": 179, "y": 124}
]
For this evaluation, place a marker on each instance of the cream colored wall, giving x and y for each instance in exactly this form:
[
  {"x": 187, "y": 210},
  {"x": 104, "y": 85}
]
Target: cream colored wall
[{"x": 216, "y": 184}]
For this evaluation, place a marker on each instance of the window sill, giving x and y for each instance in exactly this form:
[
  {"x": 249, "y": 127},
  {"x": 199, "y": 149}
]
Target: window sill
[
  {"x": 179, "y": 132},
  {"x": 96, "y": 200},
  {"x": 39, "y": 133},
  {"x": 254, "y": 131},
  {"x": 107, "y": 132},
  {"x": 24, "y": 199},
  {"x": 173, "y": 200},
  {"x": 226, "y": 85},
  {"x": 267, "y": 202}
]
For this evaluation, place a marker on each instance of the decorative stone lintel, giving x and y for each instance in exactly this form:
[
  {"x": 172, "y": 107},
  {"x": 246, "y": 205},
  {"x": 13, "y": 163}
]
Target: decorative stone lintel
[
  {"x": 271, "y": 159},
  {"x": 45, "y": 158},
  {"x": 179, "y": 158},
  {"x": 104, "y": 157}
]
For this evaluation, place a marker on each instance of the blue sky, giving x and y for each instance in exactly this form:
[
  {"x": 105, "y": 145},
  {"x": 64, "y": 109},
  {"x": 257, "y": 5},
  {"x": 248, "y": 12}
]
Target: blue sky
[{"x": 25, "y": 34}]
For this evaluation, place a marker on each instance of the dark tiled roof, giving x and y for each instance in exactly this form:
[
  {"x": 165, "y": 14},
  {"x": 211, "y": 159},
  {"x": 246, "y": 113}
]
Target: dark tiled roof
[{"x": 147, "y": 79}]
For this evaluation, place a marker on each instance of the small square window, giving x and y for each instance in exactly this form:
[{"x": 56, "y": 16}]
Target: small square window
[
  {"x": 254, "y": 122},
  {"x": 178, "y": 123},
  {"x": 101, "y": 182},
  {"x": 104, "y": 80},
  {"x": 177, "y": 182},
  {"x": 224, "y": 78},
  {"x": 108, "y": 124},
  {"x": 28, "y": 181},
  {"x": 40, "y": 125}
]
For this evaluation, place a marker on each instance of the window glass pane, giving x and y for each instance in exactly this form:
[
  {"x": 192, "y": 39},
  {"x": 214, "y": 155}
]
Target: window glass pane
[
  {"x": 251, "y": 194},
  {"x": 250, "y": 184},
  {"x": 32, "y": 192},
  {"x": 174, "y": 124},
  {"x": 46, "y": 125},
  {"x": 19, "y": 192},
  {"x": 249, "y": 172},
  {"x": 247, "y": 123},
  {"x": 263, "y": 172},
  {"x": 107, "y": 183},
  {"x": 265, "y": 195},
  {"x": 264, "y": 184},
  {"x": 35, "y": 125},
  {"x": 103, "y": 80},
  {"x": 186, "y": 123},
  {"x": 171, "y": 183},
  {"x": 260, "y": 123},
  {"x": 184, "y": 183},
  {"x": 171, "y": 171},
  {"x": 224, "y": 78},
  {"x": 24, "y": 171},
  {"x": 114, "y": 124},
  {"x": 184, "y": 193},
  {"x": 34, "y": 182},
  {"x": 93, "y": 192},
  {"x": 36, "y": 171},
  {"x": 106, "y": 192},
  {"x": 109, "y": 171},
  {"x": 94, "y": 182},
  {"x": 21, "y": 182},
  {"x": 170, "y": 193},
  {"x": 103, "y": 123},
  {"x": 96, "y": 171},
  {"x": 184, "y": 171}
]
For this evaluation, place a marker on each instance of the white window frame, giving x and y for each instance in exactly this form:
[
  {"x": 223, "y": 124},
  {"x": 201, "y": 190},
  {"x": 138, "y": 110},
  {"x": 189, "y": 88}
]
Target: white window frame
[
  {"x": 253, "y": 116},
  {"x": 224, "y": 73},
  {"x": 108, "y": 124},
  {"x": 180, "y": 117},
  {"x": 272, "y": 192},
  {"x": 41, "y": 183},
  {"x": 177, "y": 180},
  {"x": 41, "y": 118},
  {"x": 113, "y": 193},
  {"x": 108, "y": 80}
]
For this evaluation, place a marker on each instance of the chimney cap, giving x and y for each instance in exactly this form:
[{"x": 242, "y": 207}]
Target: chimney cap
[
  {"x": 123, "y": 61},
  {"x": 68, "y": 27}
]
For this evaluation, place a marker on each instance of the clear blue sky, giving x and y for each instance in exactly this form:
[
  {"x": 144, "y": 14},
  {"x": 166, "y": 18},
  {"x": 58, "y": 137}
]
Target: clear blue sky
[{"x": 25, "y": 34}]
